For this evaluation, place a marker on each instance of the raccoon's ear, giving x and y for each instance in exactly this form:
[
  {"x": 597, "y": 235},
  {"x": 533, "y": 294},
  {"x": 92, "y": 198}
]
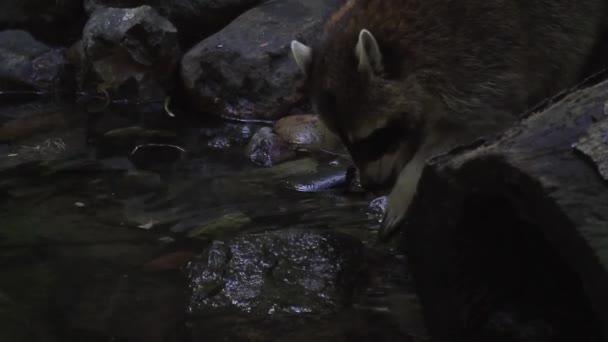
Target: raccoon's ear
[
  {"x": 368, "y": 53},
  {"x": 303, "y": 56}
]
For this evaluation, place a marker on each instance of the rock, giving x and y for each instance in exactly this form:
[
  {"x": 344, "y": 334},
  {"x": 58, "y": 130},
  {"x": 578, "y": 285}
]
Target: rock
[
  {"x": 307, "y": 131},
  {"x": 55, "y": 22},
  {"x": 267, "y": 148},
  {"x": 224, "y": 134},
  {"x": 280, "y": 272},
  {"x": 377, "y": 208},
  {"x": 131, "y": 53},
  {"x": 26, "y": 62},
  {"x": 246, "y": 70},
  {"x": 194, "y": 19}
]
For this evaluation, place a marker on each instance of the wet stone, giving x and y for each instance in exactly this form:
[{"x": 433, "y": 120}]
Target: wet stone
[
  {"x": 377, "y": 208},
  {"x": 228, "y": 134},
  {"x": 194, "y": 19},
  {"x": 281, "y": 272},
  {"x": 267, "y": 148},
  {"x": 306, "y": 131},
  {"x": 132, "y": 50}
]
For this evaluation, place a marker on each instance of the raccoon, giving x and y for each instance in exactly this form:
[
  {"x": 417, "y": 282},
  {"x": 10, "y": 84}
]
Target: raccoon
[{"x": 401, "y": 81}]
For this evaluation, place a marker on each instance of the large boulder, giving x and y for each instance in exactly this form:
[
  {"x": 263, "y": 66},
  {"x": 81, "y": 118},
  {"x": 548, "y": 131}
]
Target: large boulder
[
  {"x": 28, "y": 63},
  {"x": 130, "y": 52},
  {"x": 194, "y": 19},
  {"x": 246, "y": 70}
]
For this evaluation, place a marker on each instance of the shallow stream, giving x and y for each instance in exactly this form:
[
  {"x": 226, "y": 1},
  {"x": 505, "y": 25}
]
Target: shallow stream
[{"x": 190, "y": 241}]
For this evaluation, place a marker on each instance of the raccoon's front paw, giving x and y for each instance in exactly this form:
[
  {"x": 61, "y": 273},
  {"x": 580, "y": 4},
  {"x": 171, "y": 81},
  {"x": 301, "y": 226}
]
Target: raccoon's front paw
[{"x": 398, "y": 202}]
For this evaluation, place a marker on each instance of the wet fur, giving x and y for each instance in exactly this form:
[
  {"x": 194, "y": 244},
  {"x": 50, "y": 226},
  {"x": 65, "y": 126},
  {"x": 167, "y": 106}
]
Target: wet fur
[{"x": 450, "y": 71}]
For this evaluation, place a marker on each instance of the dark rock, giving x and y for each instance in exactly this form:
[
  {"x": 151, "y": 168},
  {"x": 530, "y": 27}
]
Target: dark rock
[
  {"x": 507, "y": 239},
  {"x": 194, "y": 19},
  {"x": 131, "y": 53},
  {"x": 267, "y": 148},
  {"x": 55, "y": 22},
  {"x": 246, "y": 70},
  {"x": 28, "y": 63},
  {"x": 283, "y": 272},
  {"x": 228, "y": 134}
]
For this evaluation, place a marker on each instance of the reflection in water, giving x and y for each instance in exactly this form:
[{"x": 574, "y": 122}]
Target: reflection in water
[{"x": 112, "y": 248}]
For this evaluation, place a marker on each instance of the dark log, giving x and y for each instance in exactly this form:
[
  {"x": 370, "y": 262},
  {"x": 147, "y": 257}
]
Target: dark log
[{"x": 508, "y": 240}]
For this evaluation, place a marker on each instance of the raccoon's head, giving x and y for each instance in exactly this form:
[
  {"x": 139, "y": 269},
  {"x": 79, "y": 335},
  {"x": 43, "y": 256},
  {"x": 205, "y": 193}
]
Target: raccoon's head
[{"x": 363, "y": 97}]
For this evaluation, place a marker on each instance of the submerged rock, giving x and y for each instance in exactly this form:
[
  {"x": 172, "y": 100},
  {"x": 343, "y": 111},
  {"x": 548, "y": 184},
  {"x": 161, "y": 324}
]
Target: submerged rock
[
  {"x": 194, "y": 19},
  {"x": 281, "y": 272},
  {"x": 43, "y": 150},
  {"x": 132, "y": 52},
  {"x": 228, "y": 223},
  {"x": 24, "y": 121},
  {"x": 26, "y": 62},
  {"x": 246, "y": 69},
  {"x": 308, "y": 132},
  {"x": 267, "y": 148}
]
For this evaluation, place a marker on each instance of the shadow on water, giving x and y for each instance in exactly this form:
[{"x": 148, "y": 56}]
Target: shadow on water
[{"x": 100, "y": 243}]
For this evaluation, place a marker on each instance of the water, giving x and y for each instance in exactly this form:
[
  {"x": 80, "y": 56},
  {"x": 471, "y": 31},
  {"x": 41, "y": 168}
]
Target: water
[{"x": 96, "y": 244}]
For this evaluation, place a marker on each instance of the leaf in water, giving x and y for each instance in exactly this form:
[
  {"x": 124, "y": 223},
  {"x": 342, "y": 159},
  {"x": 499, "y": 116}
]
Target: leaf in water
[
  {"x": 170, "y": 261},
  {"x": 226, "y": 223}
]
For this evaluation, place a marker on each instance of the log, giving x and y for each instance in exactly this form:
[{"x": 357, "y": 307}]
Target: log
[{"x": 507, "y": 240}]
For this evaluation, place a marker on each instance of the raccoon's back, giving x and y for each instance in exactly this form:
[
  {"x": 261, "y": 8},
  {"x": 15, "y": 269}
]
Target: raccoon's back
[{"x": 508, "y": 53}]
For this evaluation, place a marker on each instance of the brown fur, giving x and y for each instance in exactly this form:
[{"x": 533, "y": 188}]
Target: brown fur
[{"x": 453, "y": 70}]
